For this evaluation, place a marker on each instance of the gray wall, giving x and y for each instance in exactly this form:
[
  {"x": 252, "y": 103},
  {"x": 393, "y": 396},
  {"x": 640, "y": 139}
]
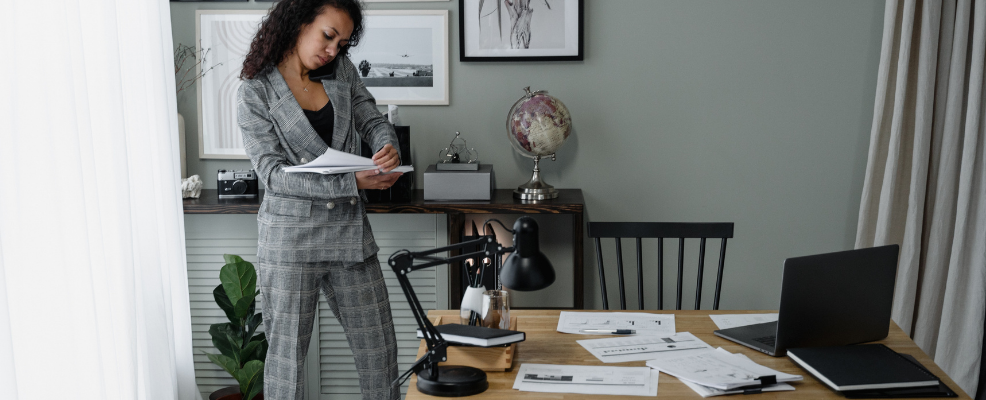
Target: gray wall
[{"x": 752, "y": 111}]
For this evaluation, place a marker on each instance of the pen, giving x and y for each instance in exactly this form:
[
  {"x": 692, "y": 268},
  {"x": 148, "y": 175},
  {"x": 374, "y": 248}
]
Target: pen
[{"x": 610, "y": 331}]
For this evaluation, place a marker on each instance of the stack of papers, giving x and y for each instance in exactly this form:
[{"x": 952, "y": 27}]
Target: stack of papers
[
  {"x": 719, "y": 372},
  {"x": 584, "y": 379},
  {"x": 640, "y": 348},
  {"x": 640, "y": 323},
  {"x": 338, "y": 162}
]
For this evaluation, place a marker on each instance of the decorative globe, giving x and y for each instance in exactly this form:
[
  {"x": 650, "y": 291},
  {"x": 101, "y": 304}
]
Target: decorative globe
[{"x": 538, "y": 124}]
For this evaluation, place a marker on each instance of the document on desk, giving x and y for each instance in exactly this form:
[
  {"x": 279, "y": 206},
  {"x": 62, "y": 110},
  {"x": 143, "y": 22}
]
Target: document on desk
[
  {"x": 718, "y": 370},
  {"x": 726, "y": 321},
  {"x": 640, "y": 348},
  {"x": 338, "y": 162},
  {"x": 585, "y": 379},
  {"x": 706, "y": 391},
  {"x": 640, "y": 323}
]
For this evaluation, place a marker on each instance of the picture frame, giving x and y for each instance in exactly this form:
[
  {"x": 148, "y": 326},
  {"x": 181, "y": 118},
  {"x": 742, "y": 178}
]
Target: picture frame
[
  {"x": 406, "y": 56},
  {"x": 227, "y": 35},
  {"x": 554, "y": 31}
]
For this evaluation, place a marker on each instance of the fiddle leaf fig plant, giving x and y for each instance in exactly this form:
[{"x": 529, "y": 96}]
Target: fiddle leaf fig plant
[{"x": 242, "y": 350}]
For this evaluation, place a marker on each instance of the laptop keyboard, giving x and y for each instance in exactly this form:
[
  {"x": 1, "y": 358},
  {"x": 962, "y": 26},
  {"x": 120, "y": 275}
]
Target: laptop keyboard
[{"x": 766, "y": 340}]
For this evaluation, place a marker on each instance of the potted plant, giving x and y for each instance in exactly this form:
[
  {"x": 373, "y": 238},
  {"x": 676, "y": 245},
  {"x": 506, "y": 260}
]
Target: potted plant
[{"x": 242, "y": 349}]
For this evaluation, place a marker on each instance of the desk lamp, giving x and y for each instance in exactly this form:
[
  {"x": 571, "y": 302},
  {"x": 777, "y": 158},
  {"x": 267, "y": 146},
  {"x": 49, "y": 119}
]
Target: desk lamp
[{"x": 526, "y": 269}]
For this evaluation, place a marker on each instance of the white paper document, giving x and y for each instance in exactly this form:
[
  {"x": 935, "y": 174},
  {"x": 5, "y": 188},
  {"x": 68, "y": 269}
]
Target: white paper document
[
  {"x": 726, "y": 321},
  {"x": 585, "y": 379},
  {"x": 338, "y": 162},
  {"x": 706, "y": 391},
  {"x": 640, "y": 323},
  {"x": 639, "y": 348},
  {"x": 718, "y": 370}
]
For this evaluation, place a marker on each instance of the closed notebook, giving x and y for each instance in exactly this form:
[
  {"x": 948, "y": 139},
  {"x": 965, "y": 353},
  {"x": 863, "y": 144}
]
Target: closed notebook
[
  {"x": 942, "y": 390},
  {"x": 477, "y": 335},
  {"x": 859, "y": 367}
]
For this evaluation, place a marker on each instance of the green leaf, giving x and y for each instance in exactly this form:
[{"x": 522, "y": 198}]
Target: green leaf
[
  {"x": 253, "y": 322},
  {"x": 220, "y": 338},
  {"x": 251, "y": 378},
  {"x": 237, "y": 344},
  {"x": 228, "y": 364},
  {"x": 242, "y": 307},
  {"x": 249, "y": 352},
  {"x": 239, "y": 280},
  {"x": 232, "y": 258},
  {"x": 262, "y": 351},
  {"x": 223, "y": 301}
]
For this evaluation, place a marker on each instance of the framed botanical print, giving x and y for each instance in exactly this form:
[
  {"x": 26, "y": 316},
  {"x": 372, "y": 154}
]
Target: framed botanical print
[{"x": 520, "y": 30}]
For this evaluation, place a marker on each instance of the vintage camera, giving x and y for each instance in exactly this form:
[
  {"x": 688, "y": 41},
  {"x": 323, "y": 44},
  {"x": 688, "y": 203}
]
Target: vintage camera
[{"x": 237, "y": 184}]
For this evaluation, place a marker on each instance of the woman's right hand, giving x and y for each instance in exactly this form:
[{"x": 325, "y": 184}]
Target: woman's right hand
[{"x": 373, "y": 179}]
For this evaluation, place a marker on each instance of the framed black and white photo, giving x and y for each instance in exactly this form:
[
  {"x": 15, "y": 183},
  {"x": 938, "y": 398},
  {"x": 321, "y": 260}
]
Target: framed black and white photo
[
  {"x": 520, "y": 30},
  {"x": 403, "y": 56}
]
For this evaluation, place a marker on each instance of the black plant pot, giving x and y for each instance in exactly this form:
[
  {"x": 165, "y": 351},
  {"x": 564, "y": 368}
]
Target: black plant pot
[{"x": 231, "y": 393}]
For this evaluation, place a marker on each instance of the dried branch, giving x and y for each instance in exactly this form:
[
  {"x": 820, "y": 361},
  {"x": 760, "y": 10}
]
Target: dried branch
[{"x": 198, "y": 58}]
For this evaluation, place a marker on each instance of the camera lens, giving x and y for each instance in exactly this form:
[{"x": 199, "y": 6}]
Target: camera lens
[{"x": 239, "y": 187}]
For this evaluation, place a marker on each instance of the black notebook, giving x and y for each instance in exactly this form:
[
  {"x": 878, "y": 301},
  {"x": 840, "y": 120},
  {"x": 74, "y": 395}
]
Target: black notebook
[
  {"x": 942, "y": 390},
  {"x": 477, "y": 335},
  {"x": 861, "y": 367}
]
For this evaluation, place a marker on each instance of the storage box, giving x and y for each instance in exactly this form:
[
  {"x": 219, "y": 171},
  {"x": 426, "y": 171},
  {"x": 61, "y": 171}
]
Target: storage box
[
  {"x": 493, "y": 359},
  {"x": 459, "y": 185}
]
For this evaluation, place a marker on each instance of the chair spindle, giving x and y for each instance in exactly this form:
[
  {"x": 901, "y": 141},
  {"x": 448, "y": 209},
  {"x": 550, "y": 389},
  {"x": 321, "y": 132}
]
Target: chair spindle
[
  {"x": 619, "y": 270},
  {"x": 660, "y": 273},
  {"x": 681, "y": 269},
  {"x": 640, "y": 277},
  {"x": 701, "y": 268},
  {"x": 722, "y": 261},
  {"x": 602, "y": 275}
]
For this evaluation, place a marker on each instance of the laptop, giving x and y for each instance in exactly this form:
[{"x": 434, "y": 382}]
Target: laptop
[{"x": 832, "y": 299}]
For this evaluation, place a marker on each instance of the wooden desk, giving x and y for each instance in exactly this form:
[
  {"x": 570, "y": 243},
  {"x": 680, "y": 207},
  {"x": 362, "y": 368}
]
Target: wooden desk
[
  {"x": 569, "y": 201},
  {"x": 544, "y": 345}
]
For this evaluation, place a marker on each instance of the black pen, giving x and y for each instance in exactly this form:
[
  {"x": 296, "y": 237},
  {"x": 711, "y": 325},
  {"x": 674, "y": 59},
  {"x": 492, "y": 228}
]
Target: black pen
[{"x": 609, "y": 331}]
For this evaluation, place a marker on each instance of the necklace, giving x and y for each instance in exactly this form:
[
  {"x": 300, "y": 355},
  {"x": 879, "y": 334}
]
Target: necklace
[{"x": 307, "y": 81}]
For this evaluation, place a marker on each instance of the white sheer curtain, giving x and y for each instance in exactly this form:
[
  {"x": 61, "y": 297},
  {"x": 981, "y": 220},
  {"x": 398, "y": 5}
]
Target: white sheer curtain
[
  {"x": 925, "y": 185},
  {"x": 93, "y": 288}
]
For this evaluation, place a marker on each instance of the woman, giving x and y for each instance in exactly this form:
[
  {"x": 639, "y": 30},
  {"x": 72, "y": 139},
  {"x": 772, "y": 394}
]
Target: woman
[{"x": 301, "y": 95}]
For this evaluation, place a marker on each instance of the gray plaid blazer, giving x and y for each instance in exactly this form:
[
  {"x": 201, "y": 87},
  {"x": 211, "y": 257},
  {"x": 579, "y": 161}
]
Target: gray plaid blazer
[{"x": 310, "y": 217}]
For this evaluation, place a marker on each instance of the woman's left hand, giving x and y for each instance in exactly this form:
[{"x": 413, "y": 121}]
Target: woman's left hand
[{"x": 387, "y": 158}]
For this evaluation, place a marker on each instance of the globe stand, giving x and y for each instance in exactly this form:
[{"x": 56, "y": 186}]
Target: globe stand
[{"x": 536, "y": 189}]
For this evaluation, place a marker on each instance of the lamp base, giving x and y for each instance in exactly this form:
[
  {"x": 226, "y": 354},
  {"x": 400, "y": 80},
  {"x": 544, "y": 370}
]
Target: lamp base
[{"x": 453, "y": 381}]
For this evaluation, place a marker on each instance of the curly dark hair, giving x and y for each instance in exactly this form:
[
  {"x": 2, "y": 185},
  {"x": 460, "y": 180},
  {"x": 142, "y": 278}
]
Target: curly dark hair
[{"x": 279, "y": 32}]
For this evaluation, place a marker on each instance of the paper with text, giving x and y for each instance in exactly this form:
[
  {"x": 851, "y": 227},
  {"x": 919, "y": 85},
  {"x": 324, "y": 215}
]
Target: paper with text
[
  {"x": 641, "y": 323},
  {"x": 585, "y": 379},
  {"x": 640, "y": 348},
  {"x": 717, "y": 370}
]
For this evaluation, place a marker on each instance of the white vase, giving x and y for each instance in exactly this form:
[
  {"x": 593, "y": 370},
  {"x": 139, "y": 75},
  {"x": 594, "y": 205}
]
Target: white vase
[{"x": 181, "y": 144}]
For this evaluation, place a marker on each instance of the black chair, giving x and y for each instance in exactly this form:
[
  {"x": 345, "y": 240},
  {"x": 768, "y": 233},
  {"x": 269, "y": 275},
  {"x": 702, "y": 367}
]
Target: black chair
[{"x": 660, "y": 230}]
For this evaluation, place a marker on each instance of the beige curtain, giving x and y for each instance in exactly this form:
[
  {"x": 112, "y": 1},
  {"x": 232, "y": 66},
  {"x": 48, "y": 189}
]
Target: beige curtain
[{"x": 924, "y": 186}]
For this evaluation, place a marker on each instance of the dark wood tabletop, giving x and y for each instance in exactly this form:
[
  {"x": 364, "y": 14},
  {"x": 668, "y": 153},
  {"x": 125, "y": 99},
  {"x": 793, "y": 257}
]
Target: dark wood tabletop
[{"x": 569, "y": 201}]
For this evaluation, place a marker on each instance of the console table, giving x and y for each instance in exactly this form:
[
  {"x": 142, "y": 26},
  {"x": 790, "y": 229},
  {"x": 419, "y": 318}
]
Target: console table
[{"x": 569, "y": 201}]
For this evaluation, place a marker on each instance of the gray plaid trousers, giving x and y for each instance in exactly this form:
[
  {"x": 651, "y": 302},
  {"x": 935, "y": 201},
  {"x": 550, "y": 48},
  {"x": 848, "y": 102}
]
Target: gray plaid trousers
[{"x": 357, "y": 295}]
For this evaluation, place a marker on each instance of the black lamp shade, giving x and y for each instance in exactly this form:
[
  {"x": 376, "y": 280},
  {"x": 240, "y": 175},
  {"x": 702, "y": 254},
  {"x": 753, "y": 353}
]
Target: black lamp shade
[{"x": 526, "y": 269}]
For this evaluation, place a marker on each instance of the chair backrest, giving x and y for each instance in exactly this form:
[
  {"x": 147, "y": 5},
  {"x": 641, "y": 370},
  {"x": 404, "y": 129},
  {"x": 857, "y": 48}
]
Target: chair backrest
[{"x": 660, "y": 231}]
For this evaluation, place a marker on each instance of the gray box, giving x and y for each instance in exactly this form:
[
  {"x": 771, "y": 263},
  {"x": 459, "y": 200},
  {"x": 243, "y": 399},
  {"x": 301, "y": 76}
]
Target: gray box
[{"x": 459, "y": 185}]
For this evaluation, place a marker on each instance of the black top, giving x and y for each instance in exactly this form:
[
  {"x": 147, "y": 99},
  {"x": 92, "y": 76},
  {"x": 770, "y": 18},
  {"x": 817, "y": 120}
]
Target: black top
[{"x": 323, "y": 121}]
